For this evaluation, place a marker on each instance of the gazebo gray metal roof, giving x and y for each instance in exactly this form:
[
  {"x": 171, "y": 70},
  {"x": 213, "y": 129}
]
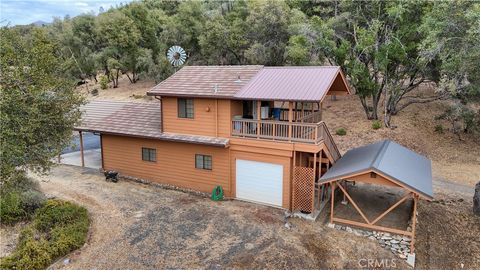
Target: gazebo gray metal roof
[{"x": 386, "y": 158}]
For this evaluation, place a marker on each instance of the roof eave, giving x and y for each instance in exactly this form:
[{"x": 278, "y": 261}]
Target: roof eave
[
  {"x": 388, "y": 177},
  {"x": 101, "y": 131}
]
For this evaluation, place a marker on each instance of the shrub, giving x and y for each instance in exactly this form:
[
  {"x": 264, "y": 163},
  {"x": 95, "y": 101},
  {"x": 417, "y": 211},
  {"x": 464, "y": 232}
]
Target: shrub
[
  {"x": 19, "y": 199},
  {"x": 439, "y": 129},
  {"x": 103, "y": 82},
  {"x": 32, "y": 200},
  {"x": 58, "y": 213},
  {"x": 376, "y": 124},
  {"x": 11, "y": 209},
  {"x": 58, "y": 228},
  {"x": 341, "y": 132}
]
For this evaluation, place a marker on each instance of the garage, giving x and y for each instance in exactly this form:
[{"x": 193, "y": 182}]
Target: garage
[{"x": 259, "y": 182}]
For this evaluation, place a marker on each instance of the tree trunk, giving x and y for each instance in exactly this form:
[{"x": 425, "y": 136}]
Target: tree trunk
[
  {"x": 365, "y": 106},
  {"x": 130, "y": 79}
]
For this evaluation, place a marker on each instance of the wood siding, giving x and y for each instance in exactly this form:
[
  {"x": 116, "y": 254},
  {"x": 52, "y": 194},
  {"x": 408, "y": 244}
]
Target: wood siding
[
  {"x": 175, "y": 163},
  {"x": 212, "y": 117}
]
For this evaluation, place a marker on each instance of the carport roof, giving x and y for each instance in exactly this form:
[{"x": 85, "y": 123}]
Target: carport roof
[
  {"x": 134, "y": 119},
  {"x": 389, "y": 159}
]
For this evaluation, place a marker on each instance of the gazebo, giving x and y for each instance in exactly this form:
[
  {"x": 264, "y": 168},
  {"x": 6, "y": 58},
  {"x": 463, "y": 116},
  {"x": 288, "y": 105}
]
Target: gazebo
[{"x": 384, "y": 163}]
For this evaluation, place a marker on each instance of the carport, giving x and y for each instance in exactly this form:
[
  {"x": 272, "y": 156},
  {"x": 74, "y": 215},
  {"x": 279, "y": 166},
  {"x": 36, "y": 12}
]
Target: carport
[
  {"x": 84, "y": 151},
  {"x": 387, "y": 164}
]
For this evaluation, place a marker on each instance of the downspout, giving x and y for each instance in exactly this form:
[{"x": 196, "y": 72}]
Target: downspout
[{"x": 161, "y": 112}]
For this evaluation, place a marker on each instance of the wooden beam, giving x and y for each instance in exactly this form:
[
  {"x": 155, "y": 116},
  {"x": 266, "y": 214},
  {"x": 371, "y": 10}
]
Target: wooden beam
[
  {"x": 290, "y": 116},
  {"x": 332, "y": 201},
  {"x": 372, "y": 227},
  {"x": 302, "y": 113},
  {"x": 392, "y": 207},
  {"x": 354, "y": 204},
  {"x": 314, "y": 176},
  {"x": 259, "y": 117},
  {"x": 320, "y": 106},
  {"x": 81, "y": 149},
  {"x": 414, "y": 222}
]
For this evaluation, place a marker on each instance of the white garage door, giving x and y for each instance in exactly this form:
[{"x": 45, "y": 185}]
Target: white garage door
[{"x": 259, "y": 182}]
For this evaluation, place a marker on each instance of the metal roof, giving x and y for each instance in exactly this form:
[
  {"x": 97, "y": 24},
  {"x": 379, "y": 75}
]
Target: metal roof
[
  {"x": 309, "y": 83},
  {"x": 206, "y": 81},
  {"x": 388, "y": 158},
  {"x": 136, "y": 120}
]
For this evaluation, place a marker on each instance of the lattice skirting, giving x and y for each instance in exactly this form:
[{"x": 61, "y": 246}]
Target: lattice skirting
[{"x": 303, "y": 189}]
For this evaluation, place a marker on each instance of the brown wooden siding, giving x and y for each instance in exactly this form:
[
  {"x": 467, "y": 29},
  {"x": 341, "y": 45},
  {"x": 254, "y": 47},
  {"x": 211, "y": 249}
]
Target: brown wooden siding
[
  {"x": 175, "y": 163},
  {"x": 205, "y": 117}
]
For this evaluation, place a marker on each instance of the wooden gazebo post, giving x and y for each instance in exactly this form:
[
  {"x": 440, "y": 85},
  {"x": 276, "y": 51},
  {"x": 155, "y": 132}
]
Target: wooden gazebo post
[
  {"x": 332, "y": 184},
  {"x": 414, "y": 222}
]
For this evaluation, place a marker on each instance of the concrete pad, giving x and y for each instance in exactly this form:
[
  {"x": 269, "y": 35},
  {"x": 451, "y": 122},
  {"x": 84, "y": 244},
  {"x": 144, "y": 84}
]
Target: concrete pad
[{"x": 93, "y": 158}]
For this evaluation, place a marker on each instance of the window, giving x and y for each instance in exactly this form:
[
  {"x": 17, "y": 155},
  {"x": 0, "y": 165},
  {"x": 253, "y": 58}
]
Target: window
[
  {"x": 185, "y": 108},
  {"x": 149, "y": 154},
  {"x": 203, "y": 162}
]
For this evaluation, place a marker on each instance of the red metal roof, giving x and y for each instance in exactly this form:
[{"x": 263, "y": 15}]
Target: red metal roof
[
  {"x": 290, "y": 83},
  {"x": 206, "y": 81},
  {"x": 136, "y": 120}
]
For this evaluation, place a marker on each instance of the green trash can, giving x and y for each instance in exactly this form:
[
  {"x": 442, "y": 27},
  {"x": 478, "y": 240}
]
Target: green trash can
[{"x": 217, "y": 193}]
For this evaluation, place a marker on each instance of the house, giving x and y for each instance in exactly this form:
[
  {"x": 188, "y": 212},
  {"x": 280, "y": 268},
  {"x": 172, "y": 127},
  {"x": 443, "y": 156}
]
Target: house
[{"x": 255, "y": 131}]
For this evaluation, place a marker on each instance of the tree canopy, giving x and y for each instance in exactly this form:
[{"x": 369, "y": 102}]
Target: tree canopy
[
  {"x": 386, "y": 48},
  {"x": 38, "y": 104}
]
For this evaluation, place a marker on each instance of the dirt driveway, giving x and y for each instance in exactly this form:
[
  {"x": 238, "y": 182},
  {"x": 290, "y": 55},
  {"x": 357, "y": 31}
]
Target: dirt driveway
[{"x": 137, "y": 226}]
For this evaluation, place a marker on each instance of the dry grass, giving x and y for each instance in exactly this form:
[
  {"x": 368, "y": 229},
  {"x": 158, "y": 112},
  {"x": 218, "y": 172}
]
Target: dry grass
[
  {"x": 452, "y": 159},
  {"x": 126, "y": 91}
]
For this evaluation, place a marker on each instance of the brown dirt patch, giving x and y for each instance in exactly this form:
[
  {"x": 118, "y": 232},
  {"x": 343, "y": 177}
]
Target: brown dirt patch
[
  {"x": 448, "y": 234},
  {"x": 452, "y": 159},
  {"x": 126, "y": 91}
]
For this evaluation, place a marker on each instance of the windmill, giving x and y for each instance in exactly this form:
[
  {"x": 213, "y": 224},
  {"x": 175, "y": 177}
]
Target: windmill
[{"x": 176, "y": 55}]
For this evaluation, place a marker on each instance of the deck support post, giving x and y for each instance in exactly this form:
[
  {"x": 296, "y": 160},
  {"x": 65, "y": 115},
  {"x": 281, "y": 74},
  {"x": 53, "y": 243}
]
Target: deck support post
[
  {"x": 303, "y": 114},
  {"x": 290, "y": 116},
  {"x": 81, "y": 149},
  {"x": 259, "y": 118},
  {"x": 320, "y": 105},
  {"x": 314, "y": 178}
]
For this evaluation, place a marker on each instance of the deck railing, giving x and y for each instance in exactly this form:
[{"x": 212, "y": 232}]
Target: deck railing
[{"x": 285, "y": 131}]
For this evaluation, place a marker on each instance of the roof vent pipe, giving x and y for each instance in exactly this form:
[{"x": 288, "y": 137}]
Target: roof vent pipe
[
  {"x": 238, "y": 79},
  {"x": 215, "y": 88}
]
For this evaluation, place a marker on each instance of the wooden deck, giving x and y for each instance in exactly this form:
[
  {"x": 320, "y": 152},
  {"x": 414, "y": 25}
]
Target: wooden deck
[{"x": 311, "y": 133}]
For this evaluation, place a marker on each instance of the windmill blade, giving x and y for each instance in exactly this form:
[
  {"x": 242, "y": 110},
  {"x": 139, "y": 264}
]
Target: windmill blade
[{"x": 176, "y": 55}]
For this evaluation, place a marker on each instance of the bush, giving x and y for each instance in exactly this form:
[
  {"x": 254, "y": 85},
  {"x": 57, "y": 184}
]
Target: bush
[
  {"x": 58, "y": 228},
  {"x": 19, "y": 199},
  {"x": 341, "y": 132},
  {"x": 103, "y": 82},
  {"x": 32, "y": 200},
  {"x": 439, "y": 129},
  {"x": 11, "y": 209},
  {"x": 376, "y": 124},
  {"x": 58, "y": 213}
]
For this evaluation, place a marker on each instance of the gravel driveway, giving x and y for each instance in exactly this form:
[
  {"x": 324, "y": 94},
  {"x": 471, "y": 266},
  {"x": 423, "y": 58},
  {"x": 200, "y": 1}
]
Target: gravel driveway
[{"x": 136, "y": 226}]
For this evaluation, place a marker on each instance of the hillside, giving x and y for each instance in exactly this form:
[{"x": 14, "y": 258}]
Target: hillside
[{"x": 452, "y": 159}]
